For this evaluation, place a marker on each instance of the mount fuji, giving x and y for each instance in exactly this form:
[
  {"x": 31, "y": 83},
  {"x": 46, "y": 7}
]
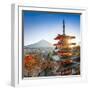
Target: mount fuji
[{"x": 40, "y": 44}]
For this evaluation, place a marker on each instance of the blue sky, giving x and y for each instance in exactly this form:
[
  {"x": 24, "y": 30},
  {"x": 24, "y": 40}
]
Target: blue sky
[{"x": 44, "y": 25}]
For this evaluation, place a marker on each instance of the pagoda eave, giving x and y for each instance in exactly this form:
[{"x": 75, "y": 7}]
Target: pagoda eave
[
  {"x": 64, "y": 54},
  {"x": 60, "y": 37}
]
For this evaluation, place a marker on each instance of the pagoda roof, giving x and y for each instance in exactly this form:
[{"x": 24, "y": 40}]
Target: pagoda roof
[
  {"x": 62, "y": 51},
  {"x": 64, "y": 36},
  {"x": 64, "y": 54},
  {"x": 60, "y": 44}
]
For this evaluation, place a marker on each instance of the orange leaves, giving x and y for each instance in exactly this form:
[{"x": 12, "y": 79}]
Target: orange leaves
[
  {"x": 31, "y": 62},
  {"x": 28, "y": 58}
]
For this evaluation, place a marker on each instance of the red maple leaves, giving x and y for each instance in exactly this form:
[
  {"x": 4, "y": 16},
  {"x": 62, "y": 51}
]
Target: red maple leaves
[{"x": 27, "y": 59}]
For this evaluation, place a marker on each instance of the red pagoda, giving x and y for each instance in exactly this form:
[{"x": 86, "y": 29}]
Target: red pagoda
[{"x": 64, "y": 48}]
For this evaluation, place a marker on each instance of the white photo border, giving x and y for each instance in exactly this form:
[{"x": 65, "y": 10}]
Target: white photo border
[{"x": 16, "y": 67}]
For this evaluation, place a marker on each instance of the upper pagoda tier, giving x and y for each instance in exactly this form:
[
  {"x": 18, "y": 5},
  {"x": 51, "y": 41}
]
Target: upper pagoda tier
[
  {"x": 61, "y": 37},
  {"x": 64, "y": 43}
]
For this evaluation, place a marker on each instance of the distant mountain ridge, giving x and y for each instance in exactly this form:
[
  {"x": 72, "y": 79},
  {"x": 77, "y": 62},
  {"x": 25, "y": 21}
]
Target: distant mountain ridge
[{"x": 41, "y": 44}]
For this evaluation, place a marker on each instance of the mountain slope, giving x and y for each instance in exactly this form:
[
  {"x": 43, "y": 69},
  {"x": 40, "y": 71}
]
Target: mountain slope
[{"x": 41, "y": 44}]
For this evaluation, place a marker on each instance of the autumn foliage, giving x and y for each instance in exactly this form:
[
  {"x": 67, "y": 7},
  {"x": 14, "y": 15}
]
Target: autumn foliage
[{"x": 30, "y": 62}]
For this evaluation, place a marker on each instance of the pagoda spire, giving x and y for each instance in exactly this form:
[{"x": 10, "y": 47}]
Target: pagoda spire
[{"x": 63, "y": 27}]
